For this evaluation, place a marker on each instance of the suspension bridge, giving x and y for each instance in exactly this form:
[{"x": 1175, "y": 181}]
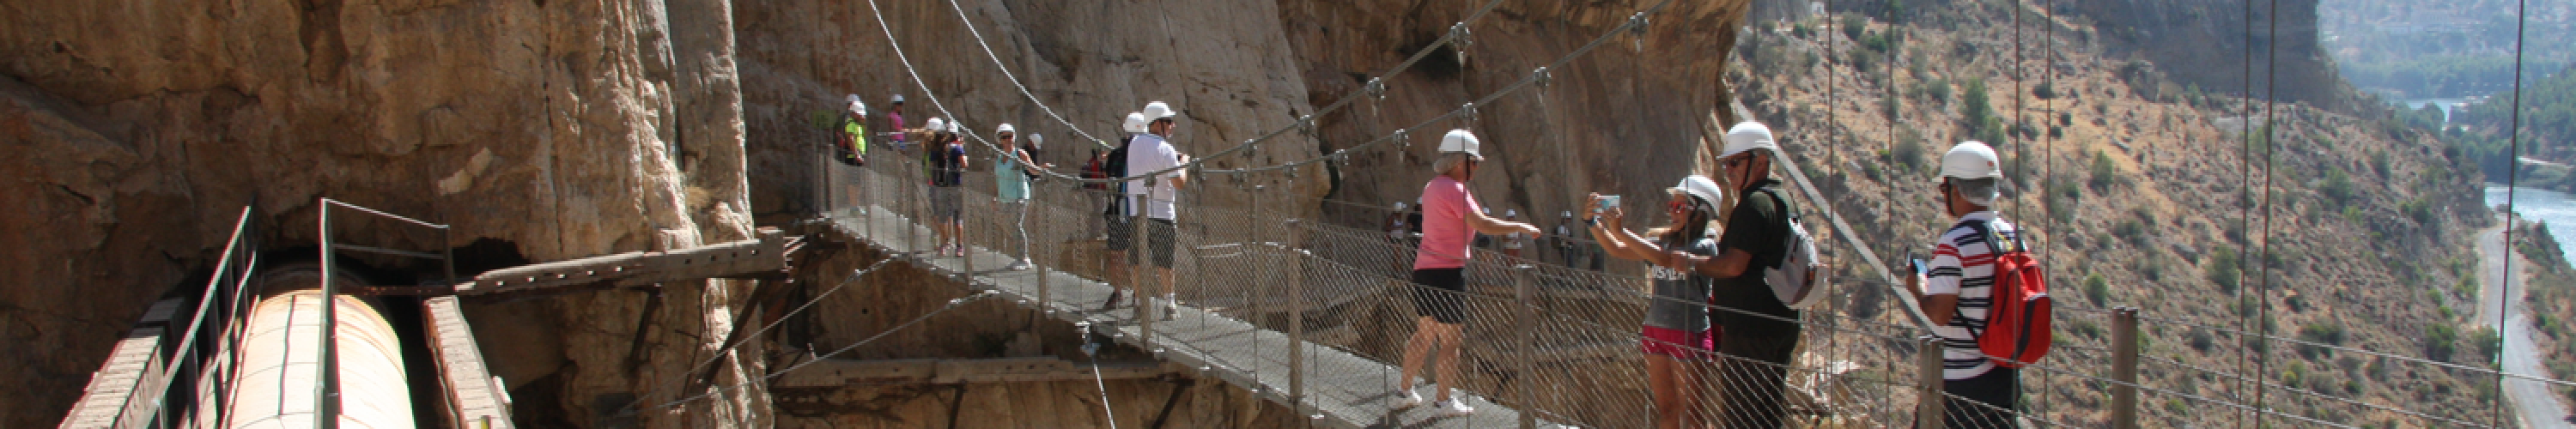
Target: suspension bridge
[{"x": 1304, "y": 313}]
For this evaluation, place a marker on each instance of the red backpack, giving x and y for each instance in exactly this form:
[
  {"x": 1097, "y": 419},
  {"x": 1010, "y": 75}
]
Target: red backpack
[{"x": 2017, "y": 331}]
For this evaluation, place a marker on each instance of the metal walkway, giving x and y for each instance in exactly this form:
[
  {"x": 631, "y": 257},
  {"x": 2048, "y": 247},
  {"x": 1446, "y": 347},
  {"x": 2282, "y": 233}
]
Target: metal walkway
[{"x": 1341, "y": 389}]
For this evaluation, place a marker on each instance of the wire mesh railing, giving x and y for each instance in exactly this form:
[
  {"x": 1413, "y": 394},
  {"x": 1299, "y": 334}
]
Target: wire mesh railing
[{"x": 1572, "y": 334}]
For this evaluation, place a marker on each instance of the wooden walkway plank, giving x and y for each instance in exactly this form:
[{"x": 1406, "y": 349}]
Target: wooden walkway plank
[
  {"x": 1343, "y": 389},
  {"x": 472, "y": 393}
]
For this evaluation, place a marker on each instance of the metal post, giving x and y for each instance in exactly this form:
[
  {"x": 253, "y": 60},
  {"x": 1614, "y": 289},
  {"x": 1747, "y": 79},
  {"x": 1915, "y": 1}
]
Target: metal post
[
  {"x": 1144, "y": 275},
  {"x": 447, "y": 253},
  {"x": 327, "y": 393},
  {"x": 915, "y": 199},
  {"x": 1524, "y": 374},
  {"x": 1046, "y": 306},
  {"x": 1927, "y": 367},
  {"x": 2124, "y": 368}
]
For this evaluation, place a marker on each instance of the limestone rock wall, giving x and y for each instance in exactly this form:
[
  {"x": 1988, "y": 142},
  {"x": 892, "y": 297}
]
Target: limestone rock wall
[
  {"x": 1227, "y": 66},
  {"x": 559, "y": 128},
  {"x": 1621, "y": 120}
]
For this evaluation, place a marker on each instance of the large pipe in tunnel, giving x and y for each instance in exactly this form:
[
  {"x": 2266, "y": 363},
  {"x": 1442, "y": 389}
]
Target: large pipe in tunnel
[{"x": 281, "y": 359}]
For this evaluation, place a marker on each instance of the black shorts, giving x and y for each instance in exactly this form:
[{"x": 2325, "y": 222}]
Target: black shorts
[
  {"x": 1122, "y": 232},
  {"x": 1442, "y": 295},
  {"x": 1159, "y": 235}
]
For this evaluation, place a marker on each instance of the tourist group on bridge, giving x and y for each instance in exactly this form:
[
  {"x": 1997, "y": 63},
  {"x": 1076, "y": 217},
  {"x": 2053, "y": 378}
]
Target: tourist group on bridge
[{"x": 1729, "y": 273}]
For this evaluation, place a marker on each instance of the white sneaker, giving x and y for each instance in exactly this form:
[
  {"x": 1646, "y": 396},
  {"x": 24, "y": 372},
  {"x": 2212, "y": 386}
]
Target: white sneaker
[
  {"x": 1408, "y": 399},
  {"x": 1455, "y": 406},
  {"x": 1171, "y": 306},
  {"x": 1019, "y": 265}
]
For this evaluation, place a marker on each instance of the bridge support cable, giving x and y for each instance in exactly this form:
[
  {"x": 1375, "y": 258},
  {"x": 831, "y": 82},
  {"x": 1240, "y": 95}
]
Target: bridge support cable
[
  {"x": 2513, "y": 178},
  {"x": 1456, "y": 32}
]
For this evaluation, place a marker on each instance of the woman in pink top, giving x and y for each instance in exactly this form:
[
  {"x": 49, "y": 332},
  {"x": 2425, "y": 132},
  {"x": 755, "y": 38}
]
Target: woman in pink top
[{"x": 1450, "y": 219}]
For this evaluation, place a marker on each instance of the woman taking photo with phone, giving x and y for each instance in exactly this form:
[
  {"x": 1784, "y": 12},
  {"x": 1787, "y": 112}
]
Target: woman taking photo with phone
[{"x": 1678, "y": 339}]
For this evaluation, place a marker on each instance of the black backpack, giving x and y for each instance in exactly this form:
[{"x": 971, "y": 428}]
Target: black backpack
[{"x": 1116, "y": 166}]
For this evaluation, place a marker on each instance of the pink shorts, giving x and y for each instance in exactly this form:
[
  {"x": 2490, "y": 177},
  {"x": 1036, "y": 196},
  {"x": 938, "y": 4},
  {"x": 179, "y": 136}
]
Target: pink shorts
[{"x": 1679, "y": 344}]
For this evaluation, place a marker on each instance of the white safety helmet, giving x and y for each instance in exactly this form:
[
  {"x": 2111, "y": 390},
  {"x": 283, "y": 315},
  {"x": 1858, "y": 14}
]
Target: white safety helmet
[
  {"x": 1489, "y": 211},
  {"x": 936, "y": 125},
  {"x": 1568, "y": 213},
  {"x": 1748, "y": 135},
  {"x": 857, "y": 106},
  {"x": 1512, "y": 213},
  {"x": 1970, "y": 160},
  {"x": 1700, "y": 188},
  {"x": 1006, "y": 128},
  {"x": 1135, "y": 123},
  {"x": 1159, "y": 111},
  {"x": 1036, "y": 140},
  {"x": 1399, "y": 206},
  {"x": 1461, "y": 141},
  {"x": 898, "y": 99},
  {"x": 958, "y": 127}
]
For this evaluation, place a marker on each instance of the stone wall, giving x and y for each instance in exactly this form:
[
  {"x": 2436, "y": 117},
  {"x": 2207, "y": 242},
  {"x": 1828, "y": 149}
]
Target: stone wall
[{"x": 560, "y": 128}]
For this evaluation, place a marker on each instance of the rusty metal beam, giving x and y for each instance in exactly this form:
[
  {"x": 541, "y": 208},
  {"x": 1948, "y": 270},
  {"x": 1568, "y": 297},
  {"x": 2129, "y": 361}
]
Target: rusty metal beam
[{"x": 763, "y": 257}]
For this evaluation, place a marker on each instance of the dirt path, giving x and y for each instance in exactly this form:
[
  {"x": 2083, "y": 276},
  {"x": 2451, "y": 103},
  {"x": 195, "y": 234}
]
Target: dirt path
[{"x": 2533, "y": 402}]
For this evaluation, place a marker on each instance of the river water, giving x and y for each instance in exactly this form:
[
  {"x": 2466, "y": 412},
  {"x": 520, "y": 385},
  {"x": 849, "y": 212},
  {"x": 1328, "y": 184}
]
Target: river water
[{"x": 2556, "y": 208}]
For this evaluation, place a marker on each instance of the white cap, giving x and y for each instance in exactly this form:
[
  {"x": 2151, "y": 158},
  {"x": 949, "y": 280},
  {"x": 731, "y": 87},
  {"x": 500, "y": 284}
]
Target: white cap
[
  {"x": 1699, "y": 187},
  {"x": 1748, "y": 135},
  {"x": 1006, "y": 128},
  {"x": 1158, "y": 111},
  {"x": 1461, "y": 141},
  {"x": 1970, "y": 160},
  {"x": 1135, "y": 123},
  {"x": 1399, "y": 206},
  {"x": 857, "y": 106},
  {"x": 936, "y": 125}
]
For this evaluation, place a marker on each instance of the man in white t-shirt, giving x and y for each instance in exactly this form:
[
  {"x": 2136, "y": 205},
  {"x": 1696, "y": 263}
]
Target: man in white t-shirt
[{"x": 1153, "y": 152}]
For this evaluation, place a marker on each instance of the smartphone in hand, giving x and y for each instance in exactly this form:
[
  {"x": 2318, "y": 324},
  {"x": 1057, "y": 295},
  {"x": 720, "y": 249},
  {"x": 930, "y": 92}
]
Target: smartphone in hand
[
  {"x": 1607, "y": 202},
  {"x": 1920, "y": 267}
]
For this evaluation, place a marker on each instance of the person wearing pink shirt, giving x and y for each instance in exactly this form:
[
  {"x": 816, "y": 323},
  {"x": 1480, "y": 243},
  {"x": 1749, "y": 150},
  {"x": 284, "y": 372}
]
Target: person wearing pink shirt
[{"x": 1450, "y": 220}]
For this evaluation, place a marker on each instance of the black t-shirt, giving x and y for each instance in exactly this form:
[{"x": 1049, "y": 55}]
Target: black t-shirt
[{"x": 1759, "y": 225}]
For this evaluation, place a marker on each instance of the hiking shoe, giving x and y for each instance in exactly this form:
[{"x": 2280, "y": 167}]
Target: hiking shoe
[
  {"x": 1452, "y": 407},
  {"x": 1407, "y": 399}
]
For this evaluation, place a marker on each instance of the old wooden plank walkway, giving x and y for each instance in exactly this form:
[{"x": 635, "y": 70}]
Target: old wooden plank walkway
[{"x": 1342, "y": 389}]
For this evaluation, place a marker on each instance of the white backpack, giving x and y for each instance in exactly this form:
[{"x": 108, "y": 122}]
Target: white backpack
[{"x": 1796, "y": 282}]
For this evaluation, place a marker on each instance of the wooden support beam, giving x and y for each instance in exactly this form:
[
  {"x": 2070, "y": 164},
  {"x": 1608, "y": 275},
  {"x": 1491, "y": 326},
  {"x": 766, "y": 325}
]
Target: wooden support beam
[
  {"x": 473, "y": 395},
  {"x": 765, "y": 256}
]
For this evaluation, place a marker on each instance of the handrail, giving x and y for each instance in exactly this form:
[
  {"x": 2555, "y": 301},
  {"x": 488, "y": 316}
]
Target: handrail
[
  {"x": 327, "y": 388},
  {"x": 1583, "y": 318}
]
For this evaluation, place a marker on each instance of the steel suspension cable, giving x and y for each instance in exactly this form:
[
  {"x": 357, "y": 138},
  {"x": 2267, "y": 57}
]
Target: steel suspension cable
[
  {"x": 2513, "y": 182},
  {"x": 1456, "y": 32},
  {"x": 1635, "y": 21},
  {"x": 2271, "y": 143}
]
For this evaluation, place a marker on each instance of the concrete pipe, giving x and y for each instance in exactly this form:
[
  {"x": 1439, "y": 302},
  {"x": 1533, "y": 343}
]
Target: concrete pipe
[{"x": 281, "y": 361}]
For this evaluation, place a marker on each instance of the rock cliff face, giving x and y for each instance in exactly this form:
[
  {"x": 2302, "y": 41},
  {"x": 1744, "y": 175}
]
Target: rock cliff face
[
  {"x": 1226, "y": 65},
  {"x": 1612, "y": 121},
  {"x": 557, "y": 128}
]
